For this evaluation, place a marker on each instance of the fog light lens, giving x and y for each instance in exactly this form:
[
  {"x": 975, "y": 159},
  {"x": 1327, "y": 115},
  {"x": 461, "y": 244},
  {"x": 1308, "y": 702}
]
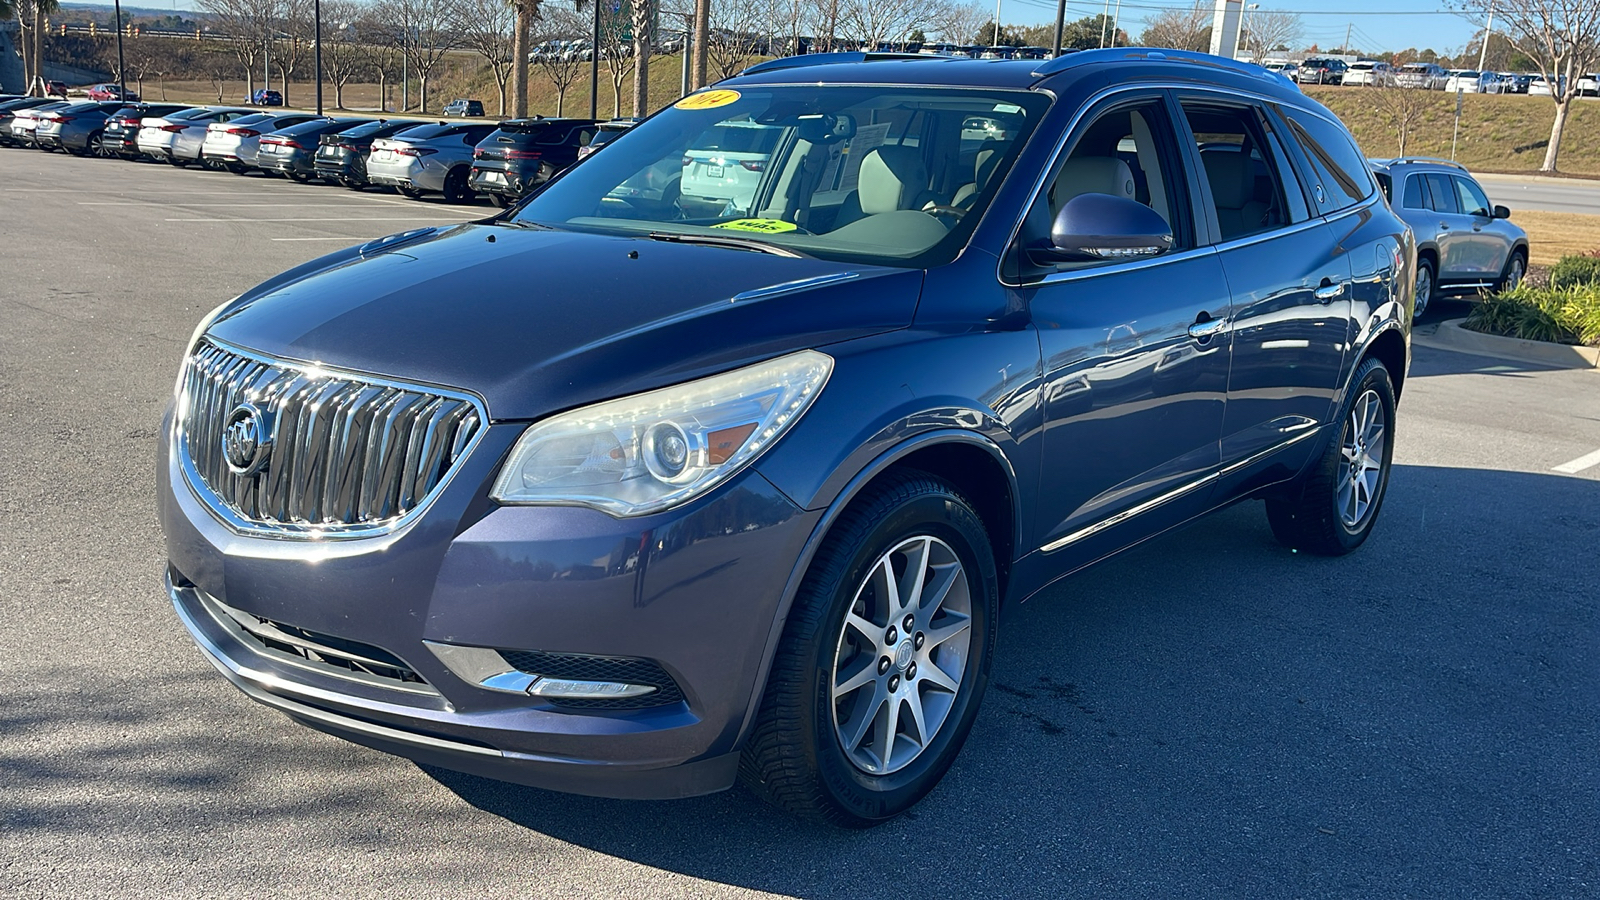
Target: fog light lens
[{"x": 595, "y": 690}]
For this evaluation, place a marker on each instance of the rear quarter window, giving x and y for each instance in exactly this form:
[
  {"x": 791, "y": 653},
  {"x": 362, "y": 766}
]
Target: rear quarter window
[{"x": 1335, "y": 161}]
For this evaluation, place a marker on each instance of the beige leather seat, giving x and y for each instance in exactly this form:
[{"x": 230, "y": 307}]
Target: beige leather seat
[
  {"x": 1233, "y": 188},
  {"x": 982, "y": 170},
  {"x": 1091, "y": 175},
  {"x": 892, "y": 178}
]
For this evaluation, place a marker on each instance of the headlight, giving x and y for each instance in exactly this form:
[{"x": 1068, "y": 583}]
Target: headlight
[{"x": 653, "y": 451}]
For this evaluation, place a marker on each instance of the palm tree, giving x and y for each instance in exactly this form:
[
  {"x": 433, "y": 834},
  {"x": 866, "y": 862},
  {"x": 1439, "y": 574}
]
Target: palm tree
[
  {"x": 41, "y": 8},
  {"x": 527, "y": 11}
]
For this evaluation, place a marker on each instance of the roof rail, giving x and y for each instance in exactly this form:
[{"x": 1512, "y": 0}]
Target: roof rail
[
  {"x": 825, "y": 59},
  {"x": 1083, "y": 57},
  {"x": 1436, "y": 160}
]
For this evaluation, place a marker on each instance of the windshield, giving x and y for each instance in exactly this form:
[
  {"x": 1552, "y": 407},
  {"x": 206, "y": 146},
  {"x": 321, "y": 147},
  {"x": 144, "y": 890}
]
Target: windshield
[{"x": 887, "y": 174}]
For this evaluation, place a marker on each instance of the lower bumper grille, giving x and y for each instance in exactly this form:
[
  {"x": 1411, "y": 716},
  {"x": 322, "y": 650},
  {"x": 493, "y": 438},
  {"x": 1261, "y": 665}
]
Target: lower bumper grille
[{"x": 579, "y": 667}]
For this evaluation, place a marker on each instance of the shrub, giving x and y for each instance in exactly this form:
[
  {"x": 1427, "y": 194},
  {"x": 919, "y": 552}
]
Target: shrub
[
  {"x": 1561, "y": 315},
  {"x": 1574, "y": 270}
]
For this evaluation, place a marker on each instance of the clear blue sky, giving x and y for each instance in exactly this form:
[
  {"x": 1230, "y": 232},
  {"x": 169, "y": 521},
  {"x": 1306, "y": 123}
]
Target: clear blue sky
[{"x": 1374, "y": 24}]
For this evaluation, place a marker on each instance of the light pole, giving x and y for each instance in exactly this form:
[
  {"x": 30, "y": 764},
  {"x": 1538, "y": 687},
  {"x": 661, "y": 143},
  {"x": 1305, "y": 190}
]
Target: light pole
[
  {"x": 318, "y": 15},
  {"x": 1244, "y": 33},
  {"x": 122, "y": 74},
  {"x": 1483, "y": 51},
  {"x": 997, "y": 23},
  {"x": 1061, "y": 22},
  {"x": 594, "y": 64}
]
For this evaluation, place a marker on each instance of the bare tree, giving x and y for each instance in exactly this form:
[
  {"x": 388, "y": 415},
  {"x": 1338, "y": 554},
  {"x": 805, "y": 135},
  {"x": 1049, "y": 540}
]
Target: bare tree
[
  {"x": 958, "y": 23},
  {"x": 1561, "y": 37},
  {"x": 617, "y": 54},
  {"x": 872, "y": 22},
  {"x": 293, "y": 31},
  {"x": 424, "y": 31},
  {"x": 735, "y": 35},
  {"x": 343, "y": 56},
  {"x": 489, "y": 27},
  {"x": 248, "y": 24},
  {"x": 1403, "y": 109},
  {"x": 562, "y": 68},
  {"x": 1179, "y": 29},
  {"x": 1266, "y": 31}
]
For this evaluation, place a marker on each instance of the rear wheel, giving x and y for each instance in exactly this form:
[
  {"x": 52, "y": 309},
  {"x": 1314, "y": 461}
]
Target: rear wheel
[
  {"x": 1425, "y": 282},
  {"x": 1331, "y": 509},
  {"x": 411, "y": 192},
  {"x": 180, "y": 163},
  {"x": 456, "y": 189},
  {"x": 299, "y": 176},
  {"x": 884, "y": 658},
  {"x": 498, "y": 199}
]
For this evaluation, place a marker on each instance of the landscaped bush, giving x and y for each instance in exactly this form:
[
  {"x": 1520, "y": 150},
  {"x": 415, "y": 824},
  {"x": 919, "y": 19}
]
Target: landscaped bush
[
  {"x": 1565, "y": 315},
  {"x": 1572, "y": 270}
]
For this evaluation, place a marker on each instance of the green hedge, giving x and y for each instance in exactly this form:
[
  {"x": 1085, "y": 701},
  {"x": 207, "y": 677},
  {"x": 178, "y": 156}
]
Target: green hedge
[
  {"x": 1560, "y": 315},
  {"x": 1575, "y": 270}
]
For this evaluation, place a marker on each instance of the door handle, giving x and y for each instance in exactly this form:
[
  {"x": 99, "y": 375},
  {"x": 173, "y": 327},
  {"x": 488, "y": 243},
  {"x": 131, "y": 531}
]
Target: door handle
[
  {"x": 1205, "y": 327},
  {"x": 1444, "y": 226},
  {"x": 1329, "y": 291}
]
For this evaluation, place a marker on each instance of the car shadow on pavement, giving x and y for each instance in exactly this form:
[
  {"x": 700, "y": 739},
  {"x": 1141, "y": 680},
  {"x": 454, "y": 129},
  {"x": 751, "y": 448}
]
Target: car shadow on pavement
[{"x": 1212, "y": 714}]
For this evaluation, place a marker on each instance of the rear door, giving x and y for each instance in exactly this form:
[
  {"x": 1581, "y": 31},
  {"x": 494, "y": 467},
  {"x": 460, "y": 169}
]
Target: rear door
[
  {"x": 1455, "y": 229},
  {"x": 1289, "y": 282}
]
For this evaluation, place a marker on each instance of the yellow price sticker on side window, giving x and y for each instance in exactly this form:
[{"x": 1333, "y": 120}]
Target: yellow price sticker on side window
[
  {"x": 762, "y": 226},
  {"x": 707, "y": 100}
]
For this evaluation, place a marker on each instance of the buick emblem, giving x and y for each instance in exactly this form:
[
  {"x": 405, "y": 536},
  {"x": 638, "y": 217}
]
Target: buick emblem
[{"x": 247, "y": 439}]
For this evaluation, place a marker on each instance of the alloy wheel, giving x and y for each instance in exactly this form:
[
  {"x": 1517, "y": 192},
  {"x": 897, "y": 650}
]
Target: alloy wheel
[
  {"x": 1514, "y": 272},
  {"x": 1424, "y": 290},
  {"x": 1362, "y": 453},
  {"x": 902, "y": 652}
]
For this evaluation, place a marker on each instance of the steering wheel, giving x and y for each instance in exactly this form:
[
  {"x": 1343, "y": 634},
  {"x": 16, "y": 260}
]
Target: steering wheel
[{"x": 939, "y": 209}]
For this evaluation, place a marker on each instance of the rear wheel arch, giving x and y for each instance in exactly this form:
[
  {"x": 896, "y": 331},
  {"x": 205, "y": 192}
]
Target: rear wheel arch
[{"x": 1389, "y": 348}]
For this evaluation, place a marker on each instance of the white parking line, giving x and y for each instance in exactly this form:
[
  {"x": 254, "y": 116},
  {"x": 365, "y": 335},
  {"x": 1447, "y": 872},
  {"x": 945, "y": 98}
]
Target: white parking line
[
  {"x": 1587, "y": 461},
  {"x": 317, "y": 219}
]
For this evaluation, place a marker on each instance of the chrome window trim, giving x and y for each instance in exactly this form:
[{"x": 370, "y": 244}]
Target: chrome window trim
[
  {"x": 222, "y": 512},
  {"x": 1180, "y": 491},
  {"x": 1317, "y": 218}
]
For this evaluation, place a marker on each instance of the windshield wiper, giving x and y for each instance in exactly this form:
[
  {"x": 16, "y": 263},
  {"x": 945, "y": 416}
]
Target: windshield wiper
[{"x": 725, "y": 240}]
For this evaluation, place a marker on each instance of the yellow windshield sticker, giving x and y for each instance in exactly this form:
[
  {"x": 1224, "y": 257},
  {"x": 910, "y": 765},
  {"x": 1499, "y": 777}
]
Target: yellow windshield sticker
[
  {"x": 763, "y": 226},
  {"x": 707, "y": 100}
]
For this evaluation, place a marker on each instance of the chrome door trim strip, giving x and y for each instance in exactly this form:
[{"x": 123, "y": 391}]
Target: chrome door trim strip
[
  {"x": 1127, "y": 514},
  {"x": 1175, "y": 493}
]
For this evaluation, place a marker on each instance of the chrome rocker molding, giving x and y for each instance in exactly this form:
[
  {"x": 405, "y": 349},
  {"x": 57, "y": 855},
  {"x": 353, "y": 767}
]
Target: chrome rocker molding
[{"x": 1175, "y": 493}]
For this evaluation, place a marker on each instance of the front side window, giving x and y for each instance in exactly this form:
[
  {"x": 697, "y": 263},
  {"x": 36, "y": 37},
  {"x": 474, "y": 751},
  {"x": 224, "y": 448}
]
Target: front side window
[
  {"x": 887, "y": 174},
  {"x": 1444, "y": 194},
  {"x": 1340, "y": 168},
  {"x": 1472, "y": 198}
]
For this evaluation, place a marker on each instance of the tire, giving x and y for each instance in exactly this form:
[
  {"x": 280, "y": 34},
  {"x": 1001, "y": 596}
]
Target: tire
[
  {"x": 1427, "y": 286},
  {"x": 500, "y": 200},
  {"x": 819, "y": 753},
  {"x": 180, "y": 163},
  {"x": 456, "y": 189},
  {"x": 237, "y": 168},
  {"x": 298, "y": 176},
  {"x": 353, "y": 184},
  {"x": 1516, "y": 268},
  {"x": 1324, "y": 511},
  {"x": 412, "y": 193},
  {"x": 91, "y": 146}
]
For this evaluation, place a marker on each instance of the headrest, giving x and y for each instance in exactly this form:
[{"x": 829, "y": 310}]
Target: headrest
[
  {"x": 988, "y": 158},
  {"x": 1092, "y": 175},
  {"x": 1233, "y": 183},
  {"x": 891, "y": 177}
]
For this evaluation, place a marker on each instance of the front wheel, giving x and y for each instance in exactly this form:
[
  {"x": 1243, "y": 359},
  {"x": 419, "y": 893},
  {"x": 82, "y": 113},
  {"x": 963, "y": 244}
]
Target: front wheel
[
  {"x": 1424, "y": 292},
  {"x": 884, "y": 658},
  {"x": 1516, "y": 268},
  {"x": 1331, "y": 509}
]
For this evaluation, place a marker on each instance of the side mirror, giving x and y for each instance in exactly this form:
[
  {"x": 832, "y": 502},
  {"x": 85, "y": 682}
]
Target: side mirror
[
  {"x": 1101, "y": 226},
  {"x": 1501, "y": 212}
]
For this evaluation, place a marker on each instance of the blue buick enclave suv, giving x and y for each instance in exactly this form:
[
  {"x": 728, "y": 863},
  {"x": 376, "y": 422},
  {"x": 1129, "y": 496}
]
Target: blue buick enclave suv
[{"x": 635, "y": 492}]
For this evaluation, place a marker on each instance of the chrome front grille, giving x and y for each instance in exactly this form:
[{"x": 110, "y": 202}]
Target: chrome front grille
[{"x": 336, "y": 454}]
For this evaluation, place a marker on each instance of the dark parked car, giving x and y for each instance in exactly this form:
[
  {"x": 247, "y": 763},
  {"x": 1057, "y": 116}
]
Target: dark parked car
[
  {"x": 629, "y": 501},
  {"x": 342, "y": 157},
  {"x": 525, "y": 153},
  {"x": 293, "y": 150},
  {"x": 464, "y": 108},
  {"x": 264, "y": 97},
  {"x": 608, "y": 132},
  {"x": 120, "y": 136},
  {"x": 1323, "y": 71}
]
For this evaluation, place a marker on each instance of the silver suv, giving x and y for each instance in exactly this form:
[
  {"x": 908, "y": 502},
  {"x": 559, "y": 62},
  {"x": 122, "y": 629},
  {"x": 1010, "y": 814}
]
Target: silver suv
[{"x": 1463, "y": 242}]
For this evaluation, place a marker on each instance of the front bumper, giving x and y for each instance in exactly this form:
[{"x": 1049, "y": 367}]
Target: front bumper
[{"x": 695, "y": 590}]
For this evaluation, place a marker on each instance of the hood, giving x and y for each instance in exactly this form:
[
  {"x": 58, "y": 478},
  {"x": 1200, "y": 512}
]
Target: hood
[{"x": 536, "y": 321}]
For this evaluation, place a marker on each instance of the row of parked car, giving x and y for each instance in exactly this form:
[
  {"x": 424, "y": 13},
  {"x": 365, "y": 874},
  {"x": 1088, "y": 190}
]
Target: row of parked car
[
  {"x": 1424, "y": 76},
  {"x": 459, "y": 160}
]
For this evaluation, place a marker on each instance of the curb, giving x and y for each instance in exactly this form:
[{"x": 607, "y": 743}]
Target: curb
[{"x": 1450, "y": 335}]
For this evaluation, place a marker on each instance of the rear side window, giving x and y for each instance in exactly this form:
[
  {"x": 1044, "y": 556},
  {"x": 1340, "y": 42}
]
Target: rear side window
[
  {"x": 1444, "y": 194},
  {"x": 1247, "y": 191},
  {"x": 1414, "y": 198},
  {"x": 1339, "y": 167}
]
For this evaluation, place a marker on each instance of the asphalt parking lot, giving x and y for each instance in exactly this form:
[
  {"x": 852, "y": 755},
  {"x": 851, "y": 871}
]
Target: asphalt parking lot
[{"x": 1208, "y": 715}]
